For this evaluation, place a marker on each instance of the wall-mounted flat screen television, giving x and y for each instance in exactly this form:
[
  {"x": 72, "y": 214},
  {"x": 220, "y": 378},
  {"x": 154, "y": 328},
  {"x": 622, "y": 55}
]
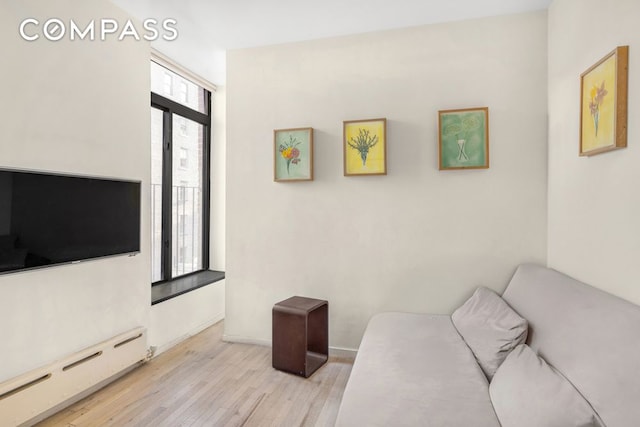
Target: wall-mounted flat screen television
[{"x": 50, "y": 219}]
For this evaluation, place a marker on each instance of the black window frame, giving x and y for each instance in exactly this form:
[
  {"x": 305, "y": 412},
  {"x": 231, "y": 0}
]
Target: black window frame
[{"x": 169, "y": 108}]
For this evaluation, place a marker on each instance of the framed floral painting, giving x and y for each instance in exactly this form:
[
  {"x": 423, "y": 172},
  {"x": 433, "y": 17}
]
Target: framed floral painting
[
  {"x": 293, "y": 155},
  {"x": 365, "y": 147},
  {"x": 463, "y": 138},
  {"x": 603, "y": 104}
]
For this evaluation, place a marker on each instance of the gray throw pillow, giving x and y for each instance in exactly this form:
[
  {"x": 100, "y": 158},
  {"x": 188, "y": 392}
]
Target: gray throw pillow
[
  {"x": 527, "y": 392},
  {"x": 490, "y": 328}
]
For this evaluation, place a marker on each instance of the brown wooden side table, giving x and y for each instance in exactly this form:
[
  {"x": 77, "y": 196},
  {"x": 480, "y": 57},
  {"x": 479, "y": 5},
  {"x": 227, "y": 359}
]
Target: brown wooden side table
[{"x": 300, "y": 335}]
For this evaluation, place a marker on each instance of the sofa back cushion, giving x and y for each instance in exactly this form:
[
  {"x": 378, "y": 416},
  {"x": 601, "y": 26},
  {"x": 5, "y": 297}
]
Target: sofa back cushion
[
  {"x": 527, "y": 392},
  {"x": 490, "y": 328},
  {"x": 590, "y": 336}
]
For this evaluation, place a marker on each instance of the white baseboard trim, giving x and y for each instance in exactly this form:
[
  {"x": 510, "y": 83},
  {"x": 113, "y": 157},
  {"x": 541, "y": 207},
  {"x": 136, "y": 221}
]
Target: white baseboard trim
[
  {"x": 78, "y": 397},
  {"x": 210, "y": 322},
  {"x": 348, "y": 353},
  {"x": 245, "y": 340}
]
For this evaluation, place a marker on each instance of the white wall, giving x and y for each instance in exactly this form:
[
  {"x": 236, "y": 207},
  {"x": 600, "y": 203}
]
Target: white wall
[
  {"x": 76, "y": 107},
  {"x": 218, "y": 180},
  {"x": 594, "y": 203},
  {"x": 176, "y": 319},
  {"x": 83, "y": 107},
  {"x": 417, "y": 239}
]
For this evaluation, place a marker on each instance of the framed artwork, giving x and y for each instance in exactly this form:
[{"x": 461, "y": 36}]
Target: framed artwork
[
  {"x": 603, "y": 104},
  {"x": 463, "y": 138},
  {"x": 365, "y": 147},
  {"x": 293, "y": 155}
]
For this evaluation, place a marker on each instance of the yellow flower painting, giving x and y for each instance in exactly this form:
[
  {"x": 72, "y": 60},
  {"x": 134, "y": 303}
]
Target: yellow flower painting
[
  {"x": 603, "y": 104},
  {"x": 365, "y": 147}
]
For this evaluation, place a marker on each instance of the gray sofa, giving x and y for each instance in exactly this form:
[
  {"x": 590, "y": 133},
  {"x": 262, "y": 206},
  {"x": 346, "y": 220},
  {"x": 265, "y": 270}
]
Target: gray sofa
[{"x": 416, "y": 369}]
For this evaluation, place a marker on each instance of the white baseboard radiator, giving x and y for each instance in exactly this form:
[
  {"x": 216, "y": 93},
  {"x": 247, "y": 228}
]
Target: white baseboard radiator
[{"x": 25, "y": 397}]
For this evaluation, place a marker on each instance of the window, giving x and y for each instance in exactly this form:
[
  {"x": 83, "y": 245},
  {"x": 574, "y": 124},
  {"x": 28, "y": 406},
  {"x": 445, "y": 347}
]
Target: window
[
  {"x": 184, "y": 129},
  {"x": 182, "y": 254},
  {"x": 183, "y": 190},
  {"x": 184, "y": 93},
  {"x": 168, "y": 84},
  {"x": 182, "y": 224},
  {"x": 180, "y": 177},
  {"x": 184, "y": 158}
]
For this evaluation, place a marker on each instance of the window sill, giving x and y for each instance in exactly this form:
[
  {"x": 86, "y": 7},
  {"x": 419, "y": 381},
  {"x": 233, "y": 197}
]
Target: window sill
[{"x": 170, "y": 289}]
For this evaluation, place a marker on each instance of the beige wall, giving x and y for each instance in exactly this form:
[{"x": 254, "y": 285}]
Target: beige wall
[
  {"x": 76, "y": 107},
  {"x": 176, "y": 319},
  {"x": 594, "y": 203},
  {"x": 83, "y": 107},
  {"x": 218, "y": 179},
  {"x": 417, "y": 239}
]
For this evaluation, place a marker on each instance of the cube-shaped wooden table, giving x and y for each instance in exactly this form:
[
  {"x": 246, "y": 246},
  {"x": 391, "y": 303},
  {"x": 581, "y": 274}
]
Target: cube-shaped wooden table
[{"x": 300, "y": 335}]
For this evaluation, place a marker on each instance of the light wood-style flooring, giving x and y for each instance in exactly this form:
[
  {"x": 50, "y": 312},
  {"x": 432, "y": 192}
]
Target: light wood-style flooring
[{"x": 204, "y": 381}]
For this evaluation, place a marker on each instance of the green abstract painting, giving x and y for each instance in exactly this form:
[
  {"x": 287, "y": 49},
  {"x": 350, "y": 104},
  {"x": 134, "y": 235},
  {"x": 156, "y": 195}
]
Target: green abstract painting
[{"x": 464, "y": 138}]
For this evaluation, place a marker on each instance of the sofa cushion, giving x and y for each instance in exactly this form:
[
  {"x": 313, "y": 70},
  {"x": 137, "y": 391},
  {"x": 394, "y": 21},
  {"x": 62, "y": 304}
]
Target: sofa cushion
[
  {"x": 527, "y": 392},
  {"x": 415, "y": 370},
  {"x": 490, "y": 328},
  {"x": 592, "y": 337}
]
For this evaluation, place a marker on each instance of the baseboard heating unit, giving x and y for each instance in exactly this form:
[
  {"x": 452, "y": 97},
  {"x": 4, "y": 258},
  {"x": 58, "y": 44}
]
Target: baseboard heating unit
[{"x": 26, "y": 397}]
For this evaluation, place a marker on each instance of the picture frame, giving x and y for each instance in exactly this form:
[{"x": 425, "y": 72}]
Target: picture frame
[
  {"x": 463, "y": 138},
  {"x": 365, "y": 147},
  {"x": 603, "y": 104},
  {"x": 293, "y": 155}
]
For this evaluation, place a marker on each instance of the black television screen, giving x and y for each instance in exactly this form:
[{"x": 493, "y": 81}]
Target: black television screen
[{"x": 48, "y": 219}]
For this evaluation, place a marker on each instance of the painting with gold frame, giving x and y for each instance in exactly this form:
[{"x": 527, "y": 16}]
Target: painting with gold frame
[
  {"x": 365, "y": 147},
  {"x": 293, "y": 155},
  {"x": 463, "y": 138},
  {"x": 603, "y": 104}
]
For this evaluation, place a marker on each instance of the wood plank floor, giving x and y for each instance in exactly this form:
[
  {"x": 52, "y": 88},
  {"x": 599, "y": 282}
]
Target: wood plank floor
[{"x": 204, "y": 381}]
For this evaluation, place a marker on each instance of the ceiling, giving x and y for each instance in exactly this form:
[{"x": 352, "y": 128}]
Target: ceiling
[{"x": 208, "y": 28}]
